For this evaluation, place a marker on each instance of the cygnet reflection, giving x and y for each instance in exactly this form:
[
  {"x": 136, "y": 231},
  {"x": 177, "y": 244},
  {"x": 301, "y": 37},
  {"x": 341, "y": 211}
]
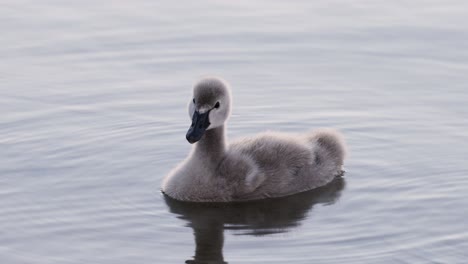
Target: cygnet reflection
[{"x": 262, "y": 217}]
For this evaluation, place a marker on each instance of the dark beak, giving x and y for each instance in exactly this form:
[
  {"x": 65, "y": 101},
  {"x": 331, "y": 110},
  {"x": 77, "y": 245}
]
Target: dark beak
[{"x": 200, "y": 123}]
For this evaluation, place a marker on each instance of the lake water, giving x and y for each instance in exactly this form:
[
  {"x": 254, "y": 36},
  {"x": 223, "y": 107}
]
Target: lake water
[{"x": 93, "y": 101}]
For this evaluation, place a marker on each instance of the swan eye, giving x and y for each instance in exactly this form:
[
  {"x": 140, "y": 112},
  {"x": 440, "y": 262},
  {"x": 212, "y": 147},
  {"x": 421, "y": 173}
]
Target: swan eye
[
  {"x": 217, "y": 105},
  {"x": 193, "y": 100}
]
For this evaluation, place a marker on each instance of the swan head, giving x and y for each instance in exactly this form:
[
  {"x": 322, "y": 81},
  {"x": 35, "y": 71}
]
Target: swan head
[{"x": 209, "y": 107}]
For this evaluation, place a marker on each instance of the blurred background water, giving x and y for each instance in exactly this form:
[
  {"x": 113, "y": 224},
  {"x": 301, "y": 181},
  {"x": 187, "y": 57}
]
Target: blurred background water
[{"x": 93, "y": 101}]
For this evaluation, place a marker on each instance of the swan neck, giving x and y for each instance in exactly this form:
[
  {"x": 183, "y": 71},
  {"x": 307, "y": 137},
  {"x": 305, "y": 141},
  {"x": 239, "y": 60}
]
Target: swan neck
[{"x": 212, "y": 144}]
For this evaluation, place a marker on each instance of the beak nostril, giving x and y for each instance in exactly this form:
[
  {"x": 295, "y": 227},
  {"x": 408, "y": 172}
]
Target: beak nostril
[{"x": 200, "y": 122}]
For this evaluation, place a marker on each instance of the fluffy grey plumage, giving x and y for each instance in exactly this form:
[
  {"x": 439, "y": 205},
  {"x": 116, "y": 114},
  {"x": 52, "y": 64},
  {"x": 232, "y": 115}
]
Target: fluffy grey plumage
[{"x": 267, "y": 165}]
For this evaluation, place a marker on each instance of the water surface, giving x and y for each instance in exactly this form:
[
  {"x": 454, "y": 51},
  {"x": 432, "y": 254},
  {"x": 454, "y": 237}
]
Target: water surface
[{"x": 93, "y": 99}]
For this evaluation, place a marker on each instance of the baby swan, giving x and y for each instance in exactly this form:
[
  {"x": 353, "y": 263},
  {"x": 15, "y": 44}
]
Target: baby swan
[{"x": 267, "y": 165}]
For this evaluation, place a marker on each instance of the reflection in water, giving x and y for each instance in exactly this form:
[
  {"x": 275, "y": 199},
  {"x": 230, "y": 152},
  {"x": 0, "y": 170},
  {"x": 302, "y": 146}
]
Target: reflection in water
[{"x": 270, "y": 216}]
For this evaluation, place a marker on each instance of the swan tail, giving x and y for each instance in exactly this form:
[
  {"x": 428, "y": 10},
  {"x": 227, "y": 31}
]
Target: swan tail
[{"x": 329, "y": 146}]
